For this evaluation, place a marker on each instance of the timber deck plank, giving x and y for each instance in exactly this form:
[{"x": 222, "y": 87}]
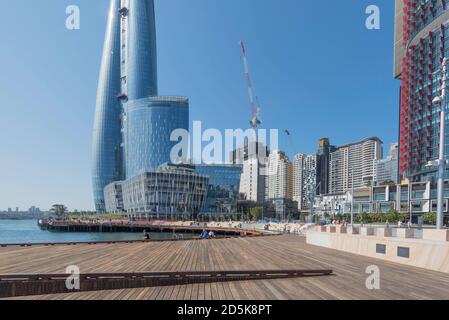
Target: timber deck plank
[{"x": 280, "y": 252}]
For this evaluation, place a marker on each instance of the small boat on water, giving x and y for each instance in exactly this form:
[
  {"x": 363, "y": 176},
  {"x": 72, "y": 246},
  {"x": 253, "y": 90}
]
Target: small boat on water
[{"x": 43, "y": 224}]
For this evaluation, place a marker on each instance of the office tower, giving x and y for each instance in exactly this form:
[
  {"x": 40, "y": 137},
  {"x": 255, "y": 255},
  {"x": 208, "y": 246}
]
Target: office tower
[
  {"x": 133, "y": 125},
  {"x": 421, "y": 32},
  {"x": 387, "y": 169},
  {"x": 354, "y": 165},
  {"x": 279, "y": 176},
  {"x": 323, "y": 158}
]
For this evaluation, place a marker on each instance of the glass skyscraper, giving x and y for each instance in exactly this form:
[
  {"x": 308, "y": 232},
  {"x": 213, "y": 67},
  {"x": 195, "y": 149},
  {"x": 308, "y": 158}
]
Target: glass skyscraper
[
  {"x": 148, "y": 125},
  {"x": 133, "y": 124}
]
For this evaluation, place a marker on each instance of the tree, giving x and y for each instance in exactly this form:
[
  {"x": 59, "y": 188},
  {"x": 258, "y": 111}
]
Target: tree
[
  {"x": 430, "y": 218},
  {"x": 371, "y": 218},
  {"x": 387, "y": 183},
  {"x": 393, "y": 216},
  {"x": 59, "y": 210},
  {"x": 362, "y": 217},
  {"x": 378, "y": 217},
  {"x": 256, "y": 213}
]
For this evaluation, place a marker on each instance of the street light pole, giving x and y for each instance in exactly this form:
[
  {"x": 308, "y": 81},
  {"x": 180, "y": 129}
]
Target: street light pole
[
  {"x": 441, "y": 163},
  {"x": 352, "y": 196},
  {"x": 441, "y": 160}
]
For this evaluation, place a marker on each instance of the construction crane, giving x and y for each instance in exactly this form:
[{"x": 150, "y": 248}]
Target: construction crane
[{"x": 255, "y": 107}]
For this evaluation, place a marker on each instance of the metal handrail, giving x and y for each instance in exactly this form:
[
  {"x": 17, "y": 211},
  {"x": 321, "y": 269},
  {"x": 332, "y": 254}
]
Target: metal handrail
[{"x": 48, "y": 244}]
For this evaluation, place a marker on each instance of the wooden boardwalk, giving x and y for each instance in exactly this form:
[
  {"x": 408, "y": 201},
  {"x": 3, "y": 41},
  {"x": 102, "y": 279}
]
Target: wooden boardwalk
[{"x": 279, "y": 252}]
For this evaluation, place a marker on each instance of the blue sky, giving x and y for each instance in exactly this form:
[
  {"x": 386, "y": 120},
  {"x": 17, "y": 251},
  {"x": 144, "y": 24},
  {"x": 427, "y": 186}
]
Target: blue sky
[{"x": 316, "y": 69}]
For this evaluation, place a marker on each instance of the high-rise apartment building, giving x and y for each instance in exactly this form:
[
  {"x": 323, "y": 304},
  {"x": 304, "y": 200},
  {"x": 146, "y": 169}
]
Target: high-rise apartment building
[
  {"x": 132, "y": 123},
  {"x": 304, "y": 180},
  {"x": 253, "y": 157},
  {"x": 421, "y": 43},
  {"x": 279, "y": 176},
  {"x": 354, "y": 165},
  {"x": 297, "y": 180},
  {"x": 309, "y": 181},
  {"x": 323, "y": 159}
]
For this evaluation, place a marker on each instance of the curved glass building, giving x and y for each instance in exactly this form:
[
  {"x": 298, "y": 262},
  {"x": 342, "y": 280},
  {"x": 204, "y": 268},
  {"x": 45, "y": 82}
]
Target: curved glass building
[
  {"x": 107, "y": 124},
  {"x": 141, "y": 61},
  {"x": 133, "y": 125}
]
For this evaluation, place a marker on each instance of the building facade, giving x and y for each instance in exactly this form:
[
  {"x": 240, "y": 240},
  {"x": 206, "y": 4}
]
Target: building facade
[
  {"x": 354, "y": 165},
  {"x": 323, "y": 160},
  {"x": 305, "y": 180},
  {"x": 148, "y": 126},
  {"x": 132, "y": 123},
  {"x": 309, "y": 183},
  {"x": 113, "y": 195},
  {"x": 388, "y": 169},
  {"x": 421, "y": 44},
  {"x": 223, "y": 191},
  {"x": 413, "y": 199},
  {"x": 253, "y": 156},
  {"x": 170, "y": 192},
  {"x": 107, "y": 150},
  {"x": 279, "y": 176},
  {"x": 297, "y": 179}
]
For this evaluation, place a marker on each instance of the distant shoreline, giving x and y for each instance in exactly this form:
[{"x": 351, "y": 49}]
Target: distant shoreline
[{"x": 4, "y": 218}]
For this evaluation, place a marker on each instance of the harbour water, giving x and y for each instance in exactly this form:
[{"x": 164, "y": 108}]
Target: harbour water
[{"x": 27, "y": 231}]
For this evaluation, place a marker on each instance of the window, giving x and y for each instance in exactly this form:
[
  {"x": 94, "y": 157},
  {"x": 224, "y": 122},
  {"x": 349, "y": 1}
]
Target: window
[
  {"x": 403, "y": 252},
  {"x": 381, "y": 248}
]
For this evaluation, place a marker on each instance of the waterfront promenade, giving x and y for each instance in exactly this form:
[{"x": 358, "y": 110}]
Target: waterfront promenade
[{"x": 276, "y": 252}]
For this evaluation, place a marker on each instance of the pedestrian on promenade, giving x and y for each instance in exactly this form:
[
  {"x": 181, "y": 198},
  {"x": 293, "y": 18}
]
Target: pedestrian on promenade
[
  {"x": 146, "y": 235},
  {"x": 399, "y": 224},
  {"x": 387, "y": 225}
]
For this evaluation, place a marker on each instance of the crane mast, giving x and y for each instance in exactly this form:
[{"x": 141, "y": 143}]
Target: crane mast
[{"x": 255, "y": 108}]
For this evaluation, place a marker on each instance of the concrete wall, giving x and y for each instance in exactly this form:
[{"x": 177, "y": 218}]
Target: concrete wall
[{"x": 423, "y": 253}]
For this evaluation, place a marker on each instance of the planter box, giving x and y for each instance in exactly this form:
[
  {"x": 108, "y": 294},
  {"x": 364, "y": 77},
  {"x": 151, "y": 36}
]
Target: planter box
[
  {"x": 342, "y": 230},
  {"x": 435, "y": 235},
  {"x": 405, "y": 233},
  {"x": 384, "y": 232},
  {"x": 367, "y": 231}
]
